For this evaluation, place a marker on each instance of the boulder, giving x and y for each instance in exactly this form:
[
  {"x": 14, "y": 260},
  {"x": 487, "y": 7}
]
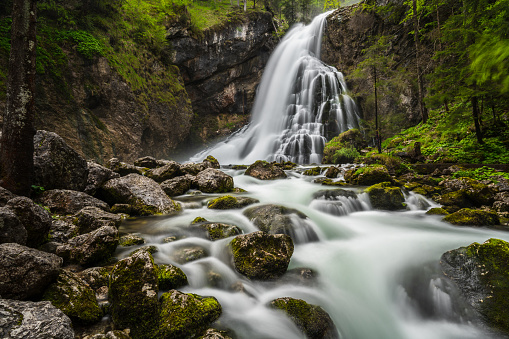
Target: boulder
[
  {"x": 98, "y": 175},
  {"x": 95, "y": 277},
  {"x": 437, "y": 211},
  {"x": 147, "y": 162},
  {"x": 168, "y": 171},
  {"x": 90, "y": 218},
  {"x": 66, "y": 202},
  {"x": 74, "y": 297},
  {"x": 368, "y": 175},
  {"x": 213, "y": 180},
  {"x": 277, "y": 219},
  {"x": 187, "y": 315},
  {"x": 5, "y": 195},
  {"x": 26, "y": 272},
  {"x": 144, "y": 195},
  {"x": 11, "y": 228},
  {"x": 313, "y": 171},
  {"x": 471, "y": 217},
  {"x": 264, "y": 170},
  {"x": 262, "y": 256},
  {"x": 194, "y": 169},
  {"x": 230, "y": 202},
  {"x": 131, "y": 240},
  {"x": 473, "y": 193},
  {"x": 133, "y": 295},
  {"x": 56, "y": 165},
  {"x": 186, "y": 254},
  {"x": 384, "y": 196},
  {"x": 312, "y": 320},
  {"x": 61, "y": 231},
  {"x": 90, "y": 248},
  {"x": 36, "y": 220},
  {"x": 481, "y": 273},
  {"x": 178, "y": 185},
  {"x": 123, "y": 168},
  {"x": 332, "y": 172},
  {"x": 217, "y": 231},
  {"x": 170, "y": 277},
  {"x": 27, "y": 319},
  {"x": 212, "y": 333}
]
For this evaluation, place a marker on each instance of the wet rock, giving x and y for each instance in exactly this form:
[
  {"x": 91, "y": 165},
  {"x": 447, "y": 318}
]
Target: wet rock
[
  {"x": 213, "y": 180},
  {"x": 148, "y": 248},
  {"x": 168, "y": 171},
  {"x": 95, "y": 277},
  {"x": 133, "y": 295},
  {"x": 437, "y": 211},
  {"x": 11, "y": 228},
  {"x": 312, "y": 320},
  {"x": 74, "y": 297},
  {"x": 188, "y": 254},
  {"x": 61, "y": 231},
  {"x": 170, "y": 277},
  {"x": 90, "y": 248},
  {"x": 143, "y": 194},
  {"x": 98, "y": 175},
  {"x": 501, "y": 203},
  {"x": 216, "y": 231},
  {"x": 466, "y": 192},
  {"x": 384, "y": 196},
  {"x": 230, "y": 202},
  {"x": 262, "y": 256},
  {"x": 480, "y": 272},
  {"x": 35, "y": 219},
  {"x": 56, "y": 165},
  {"x": 178, "y": 185},
  {"x": 147, "y": 162},
  {"x": 277, "y": 219},
  {"x": 5, "y": 195},
  {"x": 265, "y": 171},
  {"x": 91, "y": 218},
  {"x": 123, "y": 168},
  {"x": 332, "y": 172},
  {"x": 69, "y": 202},
  {"x": 334, "y": 193},
  {"x": 313, "y": 171},
  {"x": 187, "y": 315},
  {"x": 194, "y": 169},
  {"x": 299, "y": 276},
  {"x": 212, "y": 333},
  {"x": 368, "y": 175},
  {"x": 471, "y": 217},
  {"x": 27, "y": 319},
  {"x": 26, "y": 272},
  {"x": 131, "y": 240}
]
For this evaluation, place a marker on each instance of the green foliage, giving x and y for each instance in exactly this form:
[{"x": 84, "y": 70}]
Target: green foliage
[
  {"x": 86, "y": 44},
  {"x": 345, "y": 155},
  {"x": 482, "y": 173}
]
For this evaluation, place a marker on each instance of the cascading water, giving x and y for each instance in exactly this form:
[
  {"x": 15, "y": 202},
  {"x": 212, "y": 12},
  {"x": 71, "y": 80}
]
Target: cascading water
[{"x": 301, "y": 102}]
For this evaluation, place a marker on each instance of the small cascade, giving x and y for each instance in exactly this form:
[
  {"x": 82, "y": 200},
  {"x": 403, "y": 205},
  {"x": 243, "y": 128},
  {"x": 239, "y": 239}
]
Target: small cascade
[
  {"x": 301, "y": 103},
  {"x": 338, "y": 202}
]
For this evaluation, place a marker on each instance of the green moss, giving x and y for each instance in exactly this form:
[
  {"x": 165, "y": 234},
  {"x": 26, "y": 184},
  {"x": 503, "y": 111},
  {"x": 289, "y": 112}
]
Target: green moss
[
  {"x": 437, "y": 211},
  {"x": 223, "y": 203},
  {"x": 239, "y": 167},
  {"x": 198, "y": 220},
  {"x": 313, "y": 171},
  {"x": 471, "y": 217},
  {"x": 131, "y": 240},
  {"x": 368, "y": 175},
  {"x": 386, "y": 197},
  {"x": 170, "y": 277},
  {"x": 217, "y": 231},
  {"x": 330, "y": 182}
]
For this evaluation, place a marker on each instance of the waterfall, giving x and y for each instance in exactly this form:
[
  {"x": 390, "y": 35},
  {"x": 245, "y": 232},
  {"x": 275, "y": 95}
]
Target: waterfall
[{"x": 301, "y": 102}]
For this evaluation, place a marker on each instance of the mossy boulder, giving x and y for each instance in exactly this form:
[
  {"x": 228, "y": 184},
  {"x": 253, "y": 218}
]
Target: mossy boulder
[
  {"x": 264, "y": 170},
  {"x": 477, "y": 193},
  {"x": 170, "y": 277},
  {"x": 123, "y": 168},
  {"x": 133, "y": 295},
  {"x": 330, "y": 182},
  {"x": 368, "y": 175},
  {"x": 178, "y": 185},
  {"x": 217, "y": 231},
  {"x": 91, "y": 218},
  {"x": 262, "y": 256},
  {"x": 384, "y": 196},
  {"x": 74, "y": 297},
  {"x": 131, "y": 240},
  {"x": 187, "y": 315},
  {"x": 332, "y": 172},
  {"x": 212, "y": 333},
  {"x": 168, "y": 171},
  {"x": 481, "y": 271},
  {"x": 213, "y": 180},
  {"x": 313, "y": 171},
  {"x": 312, "y": 320},
  {"x": 472, "y": 217},
  {"x": 69, "y": 202},
  {"x": 437, "y": 211},
  {"x": 230, "y": 202}
]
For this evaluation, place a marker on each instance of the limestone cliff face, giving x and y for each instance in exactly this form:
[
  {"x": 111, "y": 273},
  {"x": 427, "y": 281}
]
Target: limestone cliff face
[{"x": 221, "y": 70}]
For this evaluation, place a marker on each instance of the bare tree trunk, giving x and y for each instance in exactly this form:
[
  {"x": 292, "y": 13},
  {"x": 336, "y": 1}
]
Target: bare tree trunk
[
  {"x": 422, "y": 109},
  {"x": 245, "y": 5},
  {"x": 378, "y": 138},
  {"x": 17, "y": 141},
  {"x": 475, "y": 114}
]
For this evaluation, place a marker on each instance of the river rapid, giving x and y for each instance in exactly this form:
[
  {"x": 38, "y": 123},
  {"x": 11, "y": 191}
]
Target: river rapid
[{"x": 375, "y": 272}]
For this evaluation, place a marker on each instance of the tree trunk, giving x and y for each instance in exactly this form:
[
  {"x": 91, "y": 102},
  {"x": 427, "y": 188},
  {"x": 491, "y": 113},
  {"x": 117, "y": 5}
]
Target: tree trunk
[
  {"x": 378, "y": 138},
  {"x": 422, "y": 109},
  {"x": 17, "y": 141},
  {"x": 475, "y": 114}
]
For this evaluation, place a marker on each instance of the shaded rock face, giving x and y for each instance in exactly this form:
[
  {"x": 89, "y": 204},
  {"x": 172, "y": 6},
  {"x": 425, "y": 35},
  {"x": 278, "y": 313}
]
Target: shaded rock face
[
  {"x": 262, "y": 256},
  {"x": 26, "y": 272},
  {"x": 265, "y": 171},
  {"x": 222, "y": 69},
  {"x": 5, "y": 195},
  {"x": 11, "y": 228},
  {"x": 56, "y": 165},
  {"x": 69, "y": 202},
  {"x": 98, "y": 175},
  {"x": 213, "y": 180},
  {"x": 480, "y": 272},
  {"x": 91, "y": 218},
  {"x": 26, "y": 319}
]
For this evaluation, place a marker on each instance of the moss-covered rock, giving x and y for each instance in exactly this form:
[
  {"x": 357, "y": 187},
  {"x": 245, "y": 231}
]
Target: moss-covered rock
[
  {"x": 170, "y": 277},
  {"x": 313, "y": 171},
  {"x": 330, "y": 182},
  {"x": 437, "y": 211},
  {"x": 384, "y": 196},
  {"x": 213, "y": 180},
  {"x": 230, "y": 202},
  {"x": 262, "y": 256},
  {"x": 264, "y": 170},
  {"x": 351, "y": 140},
  {"x": 481, "y": 271},
  {"x": 471, "y": 217},
  {"x": 477, "y": 193},
  {"x": 186, "y": 254},
  {"x": 133, "y": 295},
  {"x": 74, "y": 297},
  {"x": 187, "y": 315},
  {"x": 216, "y": 231},
  {"x": 332, "y": 172},
  {"x": 312, "y": 320},
  {"x": 212, "y": 333},
  {"x": 169, "y": 171},
  {"x": 368, "y": 175},
  {"x": 131, "y": 240}
]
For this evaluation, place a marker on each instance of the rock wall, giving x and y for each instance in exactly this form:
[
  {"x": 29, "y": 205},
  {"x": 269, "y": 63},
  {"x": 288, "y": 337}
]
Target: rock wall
[{"x": 221, "y": 70}]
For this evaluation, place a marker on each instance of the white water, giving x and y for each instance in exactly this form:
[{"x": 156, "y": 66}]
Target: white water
[
  {"x": 378, "y": 274},
  {"x": 300, "y": 102}
]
